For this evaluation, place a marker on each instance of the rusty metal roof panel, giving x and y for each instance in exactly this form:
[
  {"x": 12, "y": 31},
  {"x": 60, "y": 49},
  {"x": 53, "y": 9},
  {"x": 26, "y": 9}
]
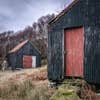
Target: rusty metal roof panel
[{"x": 18, "y": 46}]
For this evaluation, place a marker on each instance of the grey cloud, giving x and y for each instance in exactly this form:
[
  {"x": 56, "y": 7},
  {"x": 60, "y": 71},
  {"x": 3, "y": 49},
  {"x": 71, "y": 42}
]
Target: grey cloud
[
  {"x": 16, "y": 14},
  {"x": 2, "y": 28}
]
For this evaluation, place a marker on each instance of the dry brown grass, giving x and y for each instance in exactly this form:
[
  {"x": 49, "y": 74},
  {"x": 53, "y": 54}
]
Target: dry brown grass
[
  {"x": 25, "y": 91},
  {"x": 29, "y": 84},
  {"x": 17, "y": 76},
  {"x": 88, "y": 91}
]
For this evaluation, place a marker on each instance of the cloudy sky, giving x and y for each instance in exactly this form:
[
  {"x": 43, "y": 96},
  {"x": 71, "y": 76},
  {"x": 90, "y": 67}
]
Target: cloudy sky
[{"x": 16, "y": 14}]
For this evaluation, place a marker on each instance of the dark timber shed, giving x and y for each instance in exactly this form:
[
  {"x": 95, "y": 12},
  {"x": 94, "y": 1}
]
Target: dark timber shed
[
  {"x": 74, "y": 42},
  {"x": 24, "y": 55}
]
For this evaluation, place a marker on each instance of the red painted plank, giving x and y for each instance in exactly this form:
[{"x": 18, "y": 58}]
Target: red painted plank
[
  {"x": 74, "y": 52},
  {"x": 27, "y": 61}
]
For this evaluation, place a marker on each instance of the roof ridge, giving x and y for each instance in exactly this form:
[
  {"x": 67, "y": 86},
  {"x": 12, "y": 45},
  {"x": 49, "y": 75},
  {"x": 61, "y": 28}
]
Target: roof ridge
[
  {"x": 18, "y": 46},
  {"x": 64, "y": 11},
  {"x": 35, "y": 47}
]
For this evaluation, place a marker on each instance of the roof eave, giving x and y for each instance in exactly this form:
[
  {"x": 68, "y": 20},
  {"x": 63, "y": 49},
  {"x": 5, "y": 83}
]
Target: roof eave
[{"x": 64, "y": 11}]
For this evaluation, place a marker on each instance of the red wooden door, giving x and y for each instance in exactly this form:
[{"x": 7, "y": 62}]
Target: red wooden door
[
  {"x": 27, "y": 61},
  {"x": 74, "y": 52}
]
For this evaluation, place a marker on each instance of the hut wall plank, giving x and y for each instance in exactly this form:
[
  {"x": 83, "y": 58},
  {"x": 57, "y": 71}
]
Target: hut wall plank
[
  {"x": 85, "y": 13},
  {"x": 27, "y": 49}
]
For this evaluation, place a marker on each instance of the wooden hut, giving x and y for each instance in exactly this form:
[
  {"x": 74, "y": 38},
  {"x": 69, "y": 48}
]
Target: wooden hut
[
  {"x": 24, "y": 55},
  {"x": 74, "y": 42}
]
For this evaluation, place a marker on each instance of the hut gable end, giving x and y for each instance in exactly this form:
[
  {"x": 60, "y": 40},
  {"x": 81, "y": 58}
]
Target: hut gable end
[
  {"x": 80, "y": 21},
  {"x": 23, "y": 53},
  {"x": 73, "y": 16},
  {"x": 64, "y": 11}
]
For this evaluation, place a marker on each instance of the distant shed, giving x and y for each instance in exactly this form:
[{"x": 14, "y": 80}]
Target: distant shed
[
  {"x": 24, "y": 55},
  {"x": 74, "y": 42}
]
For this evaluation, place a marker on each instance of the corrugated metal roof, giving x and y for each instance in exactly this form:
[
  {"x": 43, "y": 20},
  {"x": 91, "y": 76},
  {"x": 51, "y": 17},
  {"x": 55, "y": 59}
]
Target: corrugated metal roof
[
  {"x": 64, "y": 11},
  {"x": 18, "y": 46}
]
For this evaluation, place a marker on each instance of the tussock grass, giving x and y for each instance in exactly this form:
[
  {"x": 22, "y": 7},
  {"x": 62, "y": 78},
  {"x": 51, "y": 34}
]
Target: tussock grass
[{"x": 24, "y": 91}]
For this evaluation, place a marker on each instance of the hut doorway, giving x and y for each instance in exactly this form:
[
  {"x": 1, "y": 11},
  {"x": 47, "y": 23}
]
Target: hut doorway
[
  {"x": 33, "y": 61},
  {"x": 29, "y": 61},
  {"x": 73, "y": 46}
]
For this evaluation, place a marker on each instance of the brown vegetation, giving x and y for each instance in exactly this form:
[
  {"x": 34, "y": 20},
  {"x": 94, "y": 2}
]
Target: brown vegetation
[
  {"x": 88, "y": 91},
  {"x": 29, "y": 84},
  {"x": 25, "y": 91}
]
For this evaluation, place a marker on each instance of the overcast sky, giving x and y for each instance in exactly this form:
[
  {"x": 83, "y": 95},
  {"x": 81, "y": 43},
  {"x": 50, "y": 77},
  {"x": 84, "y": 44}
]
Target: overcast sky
[{"x": 17, "y": 14}]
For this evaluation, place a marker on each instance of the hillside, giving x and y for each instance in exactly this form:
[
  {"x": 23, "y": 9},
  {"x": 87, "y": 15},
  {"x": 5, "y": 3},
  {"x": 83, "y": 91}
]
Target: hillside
[{"x": 37, "y": 33}]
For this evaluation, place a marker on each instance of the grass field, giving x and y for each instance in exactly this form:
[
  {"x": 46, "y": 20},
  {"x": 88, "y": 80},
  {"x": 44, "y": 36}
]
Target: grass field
[
  {"x": 32, "y": 84},
  {"x": 26, "y": 84}
]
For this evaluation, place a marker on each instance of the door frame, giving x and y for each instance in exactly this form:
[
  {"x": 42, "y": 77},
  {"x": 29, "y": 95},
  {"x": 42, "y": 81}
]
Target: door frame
[{"x": 63, "y": 49}]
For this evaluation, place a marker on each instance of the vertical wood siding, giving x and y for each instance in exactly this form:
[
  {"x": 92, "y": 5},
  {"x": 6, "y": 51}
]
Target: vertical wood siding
[
  {"x": 85, "y": 13},
  {"x": 27, "y": 49}
]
